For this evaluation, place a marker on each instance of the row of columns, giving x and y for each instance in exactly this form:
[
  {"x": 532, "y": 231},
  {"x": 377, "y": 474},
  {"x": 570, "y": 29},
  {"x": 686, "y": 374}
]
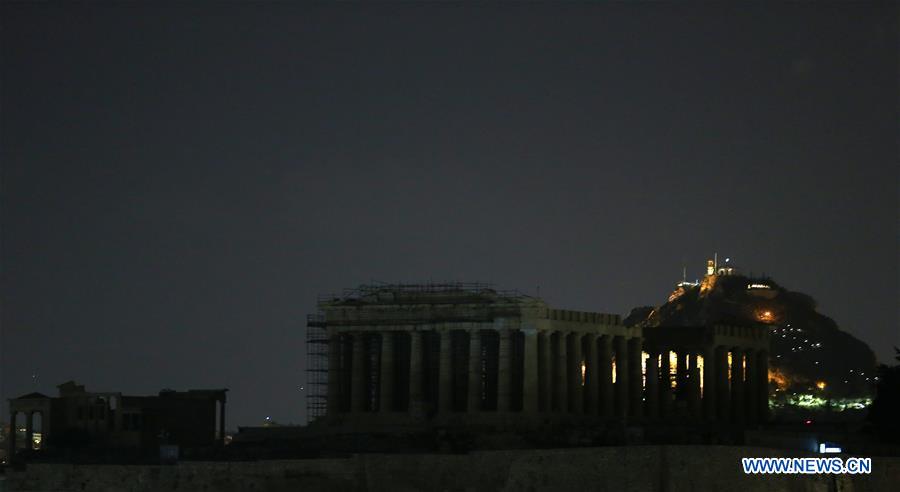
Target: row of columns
[
  {"x": 570, "y": 372},
  {"x": 551, "y": 373},
  {"x": 475, "y": 372},
  {"x": 29, "y": 429},
  {"x": 568, "y": 387},
  {"x": 733, "y": 390}
]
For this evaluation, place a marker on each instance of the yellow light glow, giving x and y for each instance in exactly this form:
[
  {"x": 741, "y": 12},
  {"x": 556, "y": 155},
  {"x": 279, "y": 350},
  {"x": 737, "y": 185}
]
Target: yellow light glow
[
  {"x": 673, "y": 368},
  {"x": 820, "y": 385},
  {"x": 700, "y": 372},
  {"x": 644, "y": 357},
  {"x": 583, "y": 372},
  {"x": 779, "y": 378},
  {"x": 729, "y": 366},
  {"x": 765, "y": 316}
]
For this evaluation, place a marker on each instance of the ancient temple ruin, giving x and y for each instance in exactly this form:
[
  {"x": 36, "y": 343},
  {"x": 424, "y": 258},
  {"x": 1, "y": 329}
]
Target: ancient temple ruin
[{"x": 469, "y": 354}]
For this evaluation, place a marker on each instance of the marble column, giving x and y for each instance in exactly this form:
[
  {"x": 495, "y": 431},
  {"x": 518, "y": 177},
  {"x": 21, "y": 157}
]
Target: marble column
[
  {"x": 576, "y": 385},
  {"x": 635, "y": 378},
  {"x": 737, "y": 385},
  {"x": 680, "y": 375},
  {"x": 386, "y": 385},
  {"x": 545, "y": 371},
  {"x": 416, "y": 396},
  {"x": 503, "y": 372},
  {"x": 560, "y": 383},
  {"x": 604, "y": 372},
  {"x": 592, "y": 376},
  {"x": 530, "y": 393},
  {"x": 333, "y": 400},
  {"x": 221, "y": 424},
  {"x": 750, "y": 391},
  {"x": 473, "y": 402},
  {"x": 693, "y": 386},
  {"x": 723, "y": 388},
  {"x": 445, "y": 373},
  {"x": 29, "y": 430},
  {"x": 358, "y": 368},
  {"x": 622, "y": 380},
  {"x": 652, "y": 393},
  {"x": 665, "y": 385},
  {"x": 709, "y": 384},
  {"x": 11, "y": 438}
]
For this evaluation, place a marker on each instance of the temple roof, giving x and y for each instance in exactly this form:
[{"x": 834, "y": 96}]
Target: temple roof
[{"x": 31, "y": 396}]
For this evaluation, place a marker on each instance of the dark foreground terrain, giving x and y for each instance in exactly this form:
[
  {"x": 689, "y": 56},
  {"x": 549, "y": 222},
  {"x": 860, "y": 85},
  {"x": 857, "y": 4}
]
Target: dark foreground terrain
[{"x": 626, "y": 468}]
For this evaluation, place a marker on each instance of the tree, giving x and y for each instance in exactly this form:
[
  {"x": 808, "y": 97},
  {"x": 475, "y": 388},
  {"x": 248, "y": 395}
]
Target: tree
[{"x": 884, "y": 413}]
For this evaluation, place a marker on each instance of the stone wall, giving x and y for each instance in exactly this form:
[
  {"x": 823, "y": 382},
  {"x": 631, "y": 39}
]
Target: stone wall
[{"x": 630, "y": 468}]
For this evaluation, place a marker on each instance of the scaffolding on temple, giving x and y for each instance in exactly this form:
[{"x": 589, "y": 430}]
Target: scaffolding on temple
[
  {"x": 462, "y": 291},
  {"x": 316, "y": 366}
]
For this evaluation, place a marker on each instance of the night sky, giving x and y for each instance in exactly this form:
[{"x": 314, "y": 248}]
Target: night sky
[{"x": 179, "y": 183}]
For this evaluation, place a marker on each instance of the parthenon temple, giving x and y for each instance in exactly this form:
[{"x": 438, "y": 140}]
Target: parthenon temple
[{"x": 455, "y": 354}]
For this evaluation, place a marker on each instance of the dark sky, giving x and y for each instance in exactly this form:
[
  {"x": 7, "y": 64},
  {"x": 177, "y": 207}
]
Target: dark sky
[{"x": 179, "y": 183}]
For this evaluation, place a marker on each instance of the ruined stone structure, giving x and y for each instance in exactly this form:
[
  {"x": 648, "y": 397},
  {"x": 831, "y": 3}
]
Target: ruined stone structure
[
  {"x": 463, "y": 354},
  {"x": 717, "y": 373},
  {"x": 110, "y": 420}
]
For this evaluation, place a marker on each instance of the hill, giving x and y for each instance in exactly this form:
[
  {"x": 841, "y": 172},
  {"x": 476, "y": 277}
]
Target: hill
[{"x": 810, "y": 354}]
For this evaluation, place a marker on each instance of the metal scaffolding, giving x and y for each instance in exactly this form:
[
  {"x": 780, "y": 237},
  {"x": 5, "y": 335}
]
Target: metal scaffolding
[{"x": 316, "y": 366}]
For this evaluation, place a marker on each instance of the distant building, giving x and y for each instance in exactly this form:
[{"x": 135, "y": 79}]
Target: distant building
[
  {"x": 110, "y": 420},
  {"x": 714, "y": 268}
]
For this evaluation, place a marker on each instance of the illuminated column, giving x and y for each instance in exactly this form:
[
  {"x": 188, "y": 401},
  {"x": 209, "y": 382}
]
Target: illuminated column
[
  {"x": 723, "y": 391},
  {"x": 386, "y": 393},
  {"x": 693, "y": 386},
  {"x": 652, "y": 393},
  {"x": 604, "y": 353},
  {"x": 474, "y": 398},
  {"x": 737, "y": 385},
  {"x": 665, "y": 385},
  {"x": 621, "y": 347},
  {"x": 333, "y": 401},
  {"x": 709, "y": 384},
  {"x": 358, "y": 381},
  {"x": 575, "y": 381},
  {"x": 762, "y": 388},
  {"x": 750, "y": 391},
  {"x": 591, "y": 385},
  {"x": 530, "y": 377},
  {"x": 635, "y": 378},
  {"x": 545, "y": 371},
  {"x": 503, "y": 372},
  {"x": 560, "y": 383},
  {"x": 416, "y": 401},
  {"x": 445, "y": 374}
]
